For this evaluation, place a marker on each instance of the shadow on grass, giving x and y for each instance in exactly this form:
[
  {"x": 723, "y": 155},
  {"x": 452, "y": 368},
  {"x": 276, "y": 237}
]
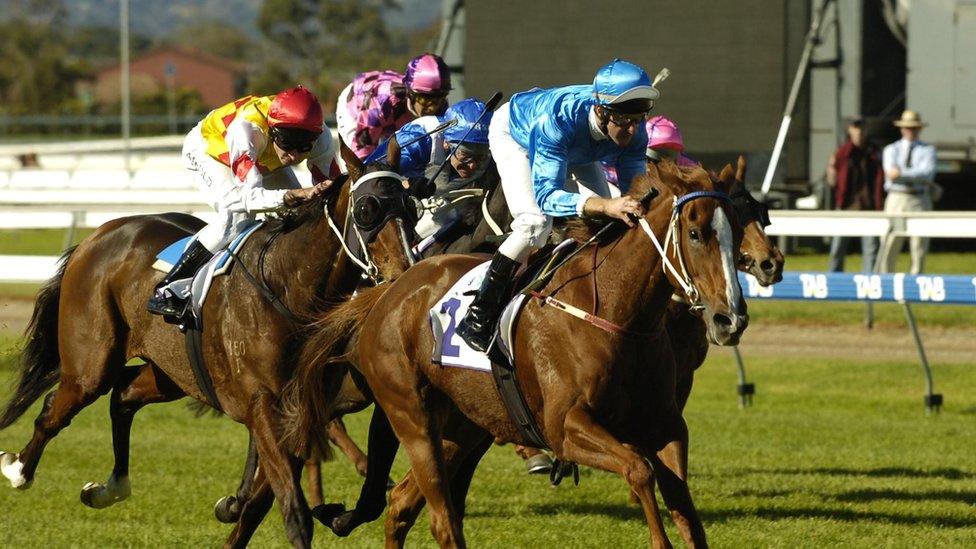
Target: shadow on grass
[
  {"x": 620, "y": 511},
  {"x": 870, "y": 495},
  {"x": 846, "y": 515},
  {"x": 948, "y": 473}
]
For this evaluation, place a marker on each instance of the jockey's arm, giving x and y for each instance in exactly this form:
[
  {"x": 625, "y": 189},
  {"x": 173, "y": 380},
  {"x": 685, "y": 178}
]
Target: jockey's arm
[
  {"x": 547, "y": 156},
  {"x": 245, "y": 141}
]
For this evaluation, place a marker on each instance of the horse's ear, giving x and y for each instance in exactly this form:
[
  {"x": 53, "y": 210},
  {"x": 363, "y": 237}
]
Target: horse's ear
[
  {"x": 740, "y": 169},
  {"x": 668, "y": 179},
  {"x": 726, "y": 173},
  {"x": 393, "y": 153},
  {"x": 724, "y": 181},
  {"x": 353, "y": 164}
]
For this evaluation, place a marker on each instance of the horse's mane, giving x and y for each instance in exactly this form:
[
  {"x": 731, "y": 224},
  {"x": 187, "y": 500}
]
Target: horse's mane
[
  {"x": 310, "y": 211},
  {"x": 582, "y": 229}
]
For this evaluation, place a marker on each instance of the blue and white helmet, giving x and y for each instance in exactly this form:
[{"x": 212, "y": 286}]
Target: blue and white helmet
[
  {"x": 467, "y": 112},
  {"x": 620, "y": 82}
]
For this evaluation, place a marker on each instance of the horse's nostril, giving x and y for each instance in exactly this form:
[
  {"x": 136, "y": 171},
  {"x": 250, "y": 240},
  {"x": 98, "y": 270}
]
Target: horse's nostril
[
  {"x": 767, "y": 266},
  {"x": 722, "y": 320}
]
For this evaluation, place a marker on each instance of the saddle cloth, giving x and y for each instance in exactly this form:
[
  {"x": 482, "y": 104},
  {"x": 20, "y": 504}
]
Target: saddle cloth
[
  {"x": 449, "y": 348},
  {"x": 198, "y": 286}
]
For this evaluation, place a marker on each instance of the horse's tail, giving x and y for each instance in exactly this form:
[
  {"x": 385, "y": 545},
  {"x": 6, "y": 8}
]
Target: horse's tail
[
  {"x": 40, "y": 362},
  {"x": 307, "y": 400}
]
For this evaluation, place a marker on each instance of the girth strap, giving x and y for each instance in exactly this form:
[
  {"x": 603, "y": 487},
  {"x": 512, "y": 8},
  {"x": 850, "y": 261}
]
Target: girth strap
[
  {"x": 513, "y": 399},
  {"x": 194, "y": 351}
]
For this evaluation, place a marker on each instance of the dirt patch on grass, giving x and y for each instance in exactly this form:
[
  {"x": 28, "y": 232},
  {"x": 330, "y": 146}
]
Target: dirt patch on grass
[
  {"x": 14, "y": 315},
  {"x": 851, "y": 341}
]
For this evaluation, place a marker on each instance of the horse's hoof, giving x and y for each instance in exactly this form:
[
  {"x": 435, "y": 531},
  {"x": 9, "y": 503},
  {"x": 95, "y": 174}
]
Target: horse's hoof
[
  {"x": 327, "y": 512},
  {"x": 227, "y": 510},
  {"x": 100, "y": 496},
  {"x": 12, "y": 468},
  {"x": 538, "y": 464},
  {"x": 344, "y": 524}
]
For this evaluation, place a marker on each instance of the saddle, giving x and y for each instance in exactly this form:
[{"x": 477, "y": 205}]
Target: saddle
[{"x": 499, "y": 360}]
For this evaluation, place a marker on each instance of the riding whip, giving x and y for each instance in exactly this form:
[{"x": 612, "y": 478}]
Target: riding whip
[{"x": 438, "y": 129}]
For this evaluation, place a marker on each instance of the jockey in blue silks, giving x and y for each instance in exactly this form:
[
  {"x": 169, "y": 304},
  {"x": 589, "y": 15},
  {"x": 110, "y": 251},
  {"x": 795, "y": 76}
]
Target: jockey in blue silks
[
  {"x": 536, "y": 139},
  {"x": 420, "y": 161}
]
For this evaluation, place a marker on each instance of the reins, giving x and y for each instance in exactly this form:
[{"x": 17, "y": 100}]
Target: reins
[{"x": 672, "y": 238}]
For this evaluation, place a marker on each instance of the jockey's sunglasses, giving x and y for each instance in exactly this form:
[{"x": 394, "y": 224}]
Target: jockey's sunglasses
[
  {"x": 622, "y": 120},
  {"x": 427, "y": 98},
  {"x": 300, "y": 143},
  {"x": 470, "y": 158}
]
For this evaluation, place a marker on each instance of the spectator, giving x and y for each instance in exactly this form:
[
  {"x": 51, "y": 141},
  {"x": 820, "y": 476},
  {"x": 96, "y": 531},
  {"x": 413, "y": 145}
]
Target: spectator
[
  {"x": 855, "y": 174},
  {"x": 909, "y": 166}
]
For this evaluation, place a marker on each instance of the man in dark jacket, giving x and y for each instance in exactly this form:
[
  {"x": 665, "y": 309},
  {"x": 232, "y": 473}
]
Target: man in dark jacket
[{"x": 856, "y": 176}]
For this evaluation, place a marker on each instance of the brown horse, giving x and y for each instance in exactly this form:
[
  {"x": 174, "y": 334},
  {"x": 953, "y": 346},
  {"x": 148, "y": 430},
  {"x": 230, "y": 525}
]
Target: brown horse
[
  {"x": 689, "y": 340},
  {"x": 90, "y": 319},
  {"x": 605, "y": 400},
  {"x": 688, "y": 336}
]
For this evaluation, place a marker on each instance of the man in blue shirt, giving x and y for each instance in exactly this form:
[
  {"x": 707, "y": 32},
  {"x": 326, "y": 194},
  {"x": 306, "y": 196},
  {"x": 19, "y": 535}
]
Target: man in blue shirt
[
  {"x": 909, "y": 166},
  {"x": 535, "y": 139}
]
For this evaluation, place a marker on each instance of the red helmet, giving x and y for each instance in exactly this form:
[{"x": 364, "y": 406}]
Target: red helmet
[{"x": 296, "y": 108}]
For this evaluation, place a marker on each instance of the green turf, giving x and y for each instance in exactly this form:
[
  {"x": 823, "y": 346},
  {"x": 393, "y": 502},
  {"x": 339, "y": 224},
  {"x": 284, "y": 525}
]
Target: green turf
[
  {"x": 830, "y": 454},
  {"x": 38, "y": 241}
]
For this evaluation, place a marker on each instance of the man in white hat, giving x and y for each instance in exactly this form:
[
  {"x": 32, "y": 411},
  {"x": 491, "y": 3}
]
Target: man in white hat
[{"x": 909, "y": 166}]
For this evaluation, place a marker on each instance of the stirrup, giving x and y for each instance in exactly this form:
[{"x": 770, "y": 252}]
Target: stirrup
[{"x": 166, "y": 305}]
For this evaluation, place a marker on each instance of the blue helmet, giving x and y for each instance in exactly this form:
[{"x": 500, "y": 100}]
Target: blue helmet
[
  {"x": 620, "y": 81},
  {"x": 467, "y": 112}
]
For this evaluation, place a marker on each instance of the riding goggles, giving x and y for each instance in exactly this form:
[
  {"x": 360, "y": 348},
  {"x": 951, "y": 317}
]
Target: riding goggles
[
  {"x": 622, "y": 120},
  {"x": 427, "y": 98},
  {"x": 293, "y": 139}
]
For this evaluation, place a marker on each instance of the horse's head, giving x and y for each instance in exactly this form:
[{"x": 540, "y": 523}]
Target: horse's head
[
  {"x": 382, "y": 215},
  {"x": 758, "y": 256},
  {"x": 702, "y": 239}
]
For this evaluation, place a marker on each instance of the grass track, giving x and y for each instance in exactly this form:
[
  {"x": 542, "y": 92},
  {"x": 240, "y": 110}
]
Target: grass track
[{"x": 831, "y": 454}]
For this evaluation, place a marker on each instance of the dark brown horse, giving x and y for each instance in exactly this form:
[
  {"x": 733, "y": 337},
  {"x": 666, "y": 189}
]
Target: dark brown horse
[
  {"x": 605, "y": 400},
  {"x": 90, "y": 319}
]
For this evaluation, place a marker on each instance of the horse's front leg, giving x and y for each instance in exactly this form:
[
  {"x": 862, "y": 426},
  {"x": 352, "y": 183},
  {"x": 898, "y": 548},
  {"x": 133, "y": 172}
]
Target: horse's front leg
[
  {"x": 587, "y": 443},
  {"x": 671, "y": 469}
]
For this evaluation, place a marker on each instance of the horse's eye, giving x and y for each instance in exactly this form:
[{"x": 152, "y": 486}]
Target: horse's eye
[{"x": 694, "y": 235}]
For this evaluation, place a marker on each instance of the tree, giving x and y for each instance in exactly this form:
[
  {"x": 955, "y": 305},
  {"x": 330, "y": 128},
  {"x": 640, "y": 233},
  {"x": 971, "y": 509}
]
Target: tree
[{"x": 328, "y": 41}]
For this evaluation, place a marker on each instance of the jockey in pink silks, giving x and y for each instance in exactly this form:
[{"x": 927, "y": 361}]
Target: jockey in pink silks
[
  {"x": 664, "y": 142},
  {"x": 378, "y": 103}
]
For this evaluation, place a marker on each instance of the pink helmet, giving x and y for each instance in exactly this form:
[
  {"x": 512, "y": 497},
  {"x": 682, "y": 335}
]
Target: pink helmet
[
  {"x": 428, "y": 73},
  {"x": 663, "y": 133}
]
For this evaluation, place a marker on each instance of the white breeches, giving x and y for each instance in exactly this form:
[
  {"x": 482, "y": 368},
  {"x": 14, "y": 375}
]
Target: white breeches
[
  {"x": 223, "y": 192},
  {"x": 530, "y": 226}
]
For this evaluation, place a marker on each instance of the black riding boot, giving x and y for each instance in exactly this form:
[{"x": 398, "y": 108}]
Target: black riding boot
[
  {"x": 478, "y": 325},
  {"x": 164, "y": 302}
]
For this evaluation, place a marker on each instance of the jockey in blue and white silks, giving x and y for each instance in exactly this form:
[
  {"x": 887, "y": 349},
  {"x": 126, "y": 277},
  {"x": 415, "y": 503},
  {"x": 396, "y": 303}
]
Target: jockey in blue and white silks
[
  {"x": 420, "y": 160},
  {"x": 536, "y": 139}
]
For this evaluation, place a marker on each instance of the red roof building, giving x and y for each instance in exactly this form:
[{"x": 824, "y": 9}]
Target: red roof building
[{"x": 218, "y": 80}]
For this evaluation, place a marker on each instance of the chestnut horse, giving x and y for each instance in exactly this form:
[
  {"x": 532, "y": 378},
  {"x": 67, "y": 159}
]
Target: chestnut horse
[
  {"x": 90, "y": 319},
  {"x": 605, "y": 400},
  {"x": 758, "y": 255}
]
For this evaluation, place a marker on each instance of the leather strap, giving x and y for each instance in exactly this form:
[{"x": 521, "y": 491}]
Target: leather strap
[
  {"x": 194, "y": 351},
  {"x": 518, "y": 409}
]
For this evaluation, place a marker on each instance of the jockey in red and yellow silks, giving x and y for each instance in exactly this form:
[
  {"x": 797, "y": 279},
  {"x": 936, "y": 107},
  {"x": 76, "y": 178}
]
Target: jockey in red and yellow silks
[{"x": 240, "y": 156}]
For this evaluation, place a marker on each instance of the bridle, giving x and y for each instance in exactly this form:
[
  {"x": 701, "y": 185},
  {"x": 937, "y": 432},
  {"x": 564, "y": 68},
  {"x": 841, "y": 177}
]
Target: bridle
[
  {"x": 672, "y": 238},
  {"x": 368, "y": 214}
]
